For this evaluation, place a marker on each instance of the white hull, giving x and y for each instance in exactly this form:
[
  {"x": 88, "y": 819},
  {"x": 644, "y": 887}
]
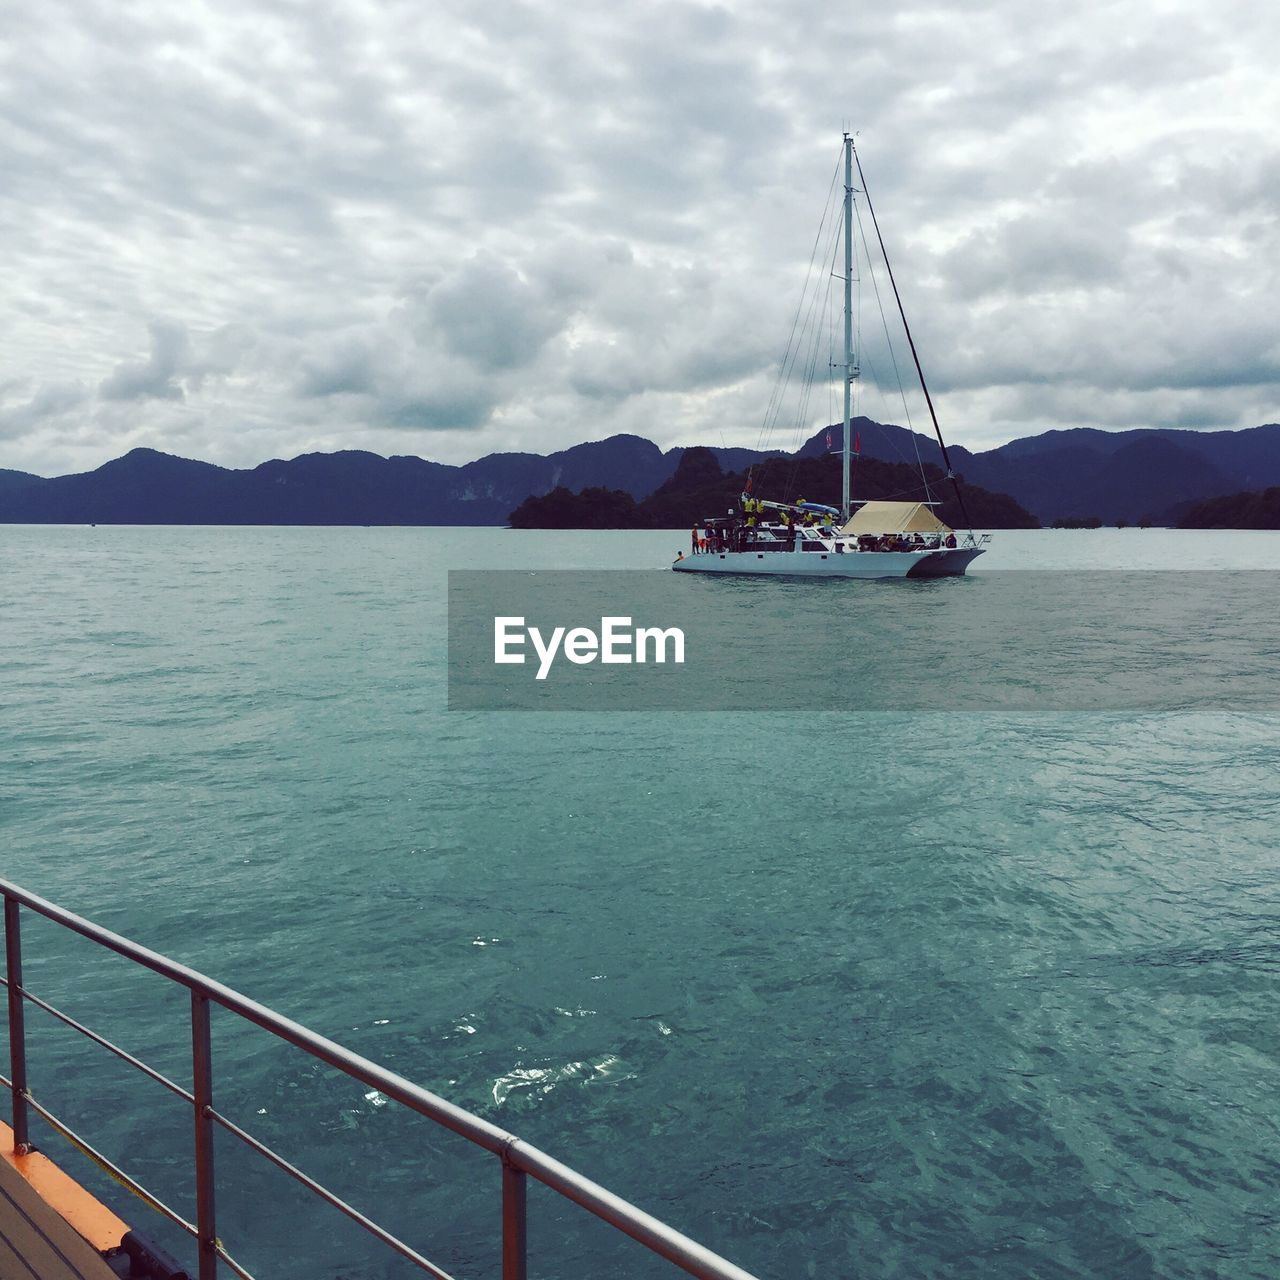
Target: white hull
[{"x": 849, "y": 564}]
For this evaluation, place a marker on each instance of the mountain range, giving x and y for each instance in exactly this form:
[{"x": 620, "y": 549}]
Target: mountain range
[
  {"x": 348, "y": 487},
  {"x": 1152, "y": 474}
]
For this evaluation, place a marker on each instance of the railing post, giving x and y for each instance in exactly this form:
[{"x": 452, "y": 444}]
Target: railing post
[
  {"x": 202, "y": 1090},
  {"x": 17, "y": 1024},
  {"x": 514, "y": 1234}
]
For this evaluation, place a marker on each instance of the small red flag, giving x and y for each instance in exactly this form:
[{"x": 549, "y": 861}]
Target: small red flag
[
  {"x": 857, "y": 442},
  {"x": 828, "y": 439},
  {"x": 748, "y": 489}
]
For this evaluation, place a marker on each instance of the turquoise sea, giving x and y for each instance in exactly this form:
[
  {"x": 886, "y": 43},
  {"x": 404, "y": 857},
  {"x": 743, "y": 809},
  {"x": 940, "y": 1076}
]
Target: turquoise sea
[{"x": 936, "y": 994}]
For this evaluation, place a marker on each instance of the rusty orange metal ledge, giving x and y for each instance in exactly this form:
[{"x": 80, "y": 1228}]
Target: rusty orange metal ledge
[{"x": 49, "y": 1220}]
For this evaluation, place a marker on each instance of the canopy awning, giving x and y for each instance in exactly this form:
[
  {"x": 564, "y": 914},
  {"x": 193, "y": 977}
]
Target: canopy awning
[{"x": 894, "y": 517}]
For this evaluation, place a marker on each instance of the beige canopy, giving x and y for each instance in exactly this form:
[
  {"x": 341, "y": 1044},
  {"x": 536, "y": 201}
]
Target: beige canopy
[{"x": 894, "y": 517}]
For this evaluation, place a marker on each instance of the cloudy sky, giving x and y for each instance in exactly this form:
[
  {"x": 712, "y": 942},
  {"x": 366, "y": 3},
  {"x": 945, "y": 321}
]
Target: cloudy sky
[{"x": 237, "y": 231}]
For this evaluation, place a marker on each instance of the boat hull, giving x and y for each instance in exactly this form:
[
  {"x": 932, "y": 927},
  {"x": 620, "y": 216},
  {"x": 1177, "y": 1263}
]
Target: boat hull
[{"x": 853, "y": 564}]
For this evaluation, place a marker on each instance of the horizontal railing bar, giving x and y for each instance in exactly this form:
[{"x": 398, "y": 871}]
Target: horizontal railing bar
[
  {"x": 669, "y": 1243},
  {"x": 106, "y": 1044},
  {"x": 643, "y": 1227},
  {"x": 445, "y": 1113},
  {"x": 232, "y": 1263},
  {"x": 325, "y": 1194},
  {"x": 107, "y": 1166}
]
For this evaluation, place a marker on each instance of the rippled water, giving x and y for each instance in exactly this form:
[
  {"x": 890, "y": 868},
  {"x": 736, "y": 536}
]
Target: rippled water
[{"x": 884, "y": 995}]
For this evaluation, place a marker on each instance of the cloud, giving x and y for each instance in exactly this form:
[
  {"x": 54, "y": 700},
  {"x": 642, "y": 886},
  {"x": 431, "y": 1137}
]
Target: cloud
[
  {"x": 344, "y": 364},
  {"x": 488, "y": 313},
  {"x": 156, "y": 376},
  {"x": 51, "y": 401},
  {"x": 387, "y": 374},
  {"x": 452, "y": 229}
]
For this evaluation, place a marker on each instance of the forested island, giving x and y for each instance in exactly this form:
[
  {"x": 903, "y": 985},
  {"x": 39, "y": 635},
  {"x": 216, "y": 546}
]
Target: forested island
[
  {"x": 700, "y": 488},
  {"x": 1252, "y": 510}
]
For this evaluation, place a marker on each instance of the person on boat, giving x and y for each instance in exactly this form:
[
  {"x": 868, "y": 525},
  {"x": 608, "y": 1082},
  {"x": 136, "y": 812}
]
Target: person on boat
[
  {"x": 951, "y": 540},
  {"x": 694, "y": 539}
]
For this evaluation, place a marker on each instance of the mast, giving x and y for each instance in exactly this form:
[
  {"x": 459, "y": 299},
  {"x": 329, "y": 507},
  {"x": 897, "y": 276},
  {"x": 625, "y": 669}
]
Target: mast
[{"x": 849, "y": 371}]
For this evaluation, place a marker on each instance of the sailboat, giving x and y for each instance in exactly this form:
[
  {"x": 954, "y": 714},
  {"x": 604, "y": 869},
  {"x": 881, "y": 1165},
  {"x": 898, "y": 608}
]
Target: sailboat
[{"x": 878, "y": 539}]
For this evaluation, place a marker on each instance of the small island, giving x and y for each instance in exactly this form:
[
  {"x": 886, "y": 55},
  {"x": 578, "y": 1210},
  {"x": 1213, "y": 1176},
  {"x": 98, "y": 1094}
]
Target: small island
[{"x": 1259, "y": 509}]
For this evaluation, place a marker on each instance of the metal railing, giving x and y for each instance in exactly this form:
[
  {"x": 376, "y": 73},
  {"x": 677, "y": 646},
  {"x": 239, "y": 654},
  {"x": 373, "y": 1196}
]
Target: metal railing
[{"x": 518, "y": 1159}]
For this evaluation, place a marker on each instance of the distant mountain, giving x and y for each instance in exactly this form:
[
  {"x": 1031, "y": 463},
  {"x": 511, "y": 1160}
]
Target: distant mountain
[
  {"x": 13, "y": 480},
  {"x": 1156, "y": 475},
  {"x": 626, "y": 462},
  {"x": 349, "y": 487},
  {"x": 1152, "y": 474},
  {"x": 1144, "y": 478}
]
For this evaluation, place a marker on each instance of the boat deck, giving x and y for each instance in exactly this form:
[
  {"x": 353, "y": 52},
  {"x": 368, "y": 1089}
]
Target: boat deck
[{"x": 35, "y": 1239}]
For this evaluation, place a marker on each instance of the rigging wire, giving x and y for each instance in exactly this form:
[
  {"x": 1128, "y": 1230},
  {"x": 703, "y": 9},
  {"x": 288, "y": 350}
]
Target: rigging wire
[
  {"x": 831, "y": 351},
  {"x": 811, "y": 368},
  {"x": 814, "y": 327},
  {"x": 955, "y": 484},
  {"x": 790, "y": 355},
  {"x": 893, "y": 356}
]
